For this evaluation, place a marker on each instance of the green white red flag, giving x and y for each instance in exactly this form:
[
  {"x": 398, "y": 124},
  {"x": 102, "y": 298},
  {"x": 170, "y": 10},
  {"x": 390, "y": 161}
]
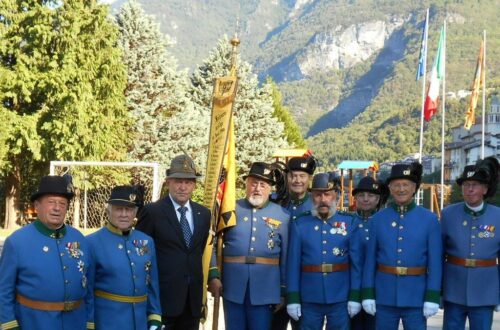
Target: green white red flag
[{"x": 437, "y": 76}]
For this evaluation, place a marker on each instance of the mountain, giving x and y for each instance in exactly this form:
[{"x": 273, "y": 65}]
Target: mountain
[{"x": 346, "y": 68}]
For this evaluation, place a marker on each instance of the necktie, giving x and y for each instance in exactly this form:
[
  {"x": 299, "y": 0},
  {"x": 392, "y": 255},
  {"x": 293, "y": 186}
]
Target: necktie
[{"x": 186, "y": 231}]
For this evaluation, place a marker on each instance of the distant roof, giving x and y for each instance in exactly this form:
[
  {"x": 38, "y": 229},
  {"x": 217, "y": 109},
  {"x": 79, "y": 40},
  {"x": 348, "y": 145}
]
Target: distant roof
[{"x": 358, "y": 165}]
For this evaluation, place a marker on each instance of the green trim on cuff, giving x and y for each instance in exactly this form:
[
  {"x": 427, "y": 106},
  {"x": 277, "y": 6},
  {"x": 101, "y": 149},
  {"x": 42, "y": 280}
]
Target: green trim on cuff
[
  {"x": 432, "y": 296},
  {"x": 293, "y": 298},
  {"x": 283, "y": 291},
  {"x": 213, "y": 273},
  {"x": 90, "y": 326},
  {"x": 355, "y": 295},
  {"x": 367, "y": 293}
]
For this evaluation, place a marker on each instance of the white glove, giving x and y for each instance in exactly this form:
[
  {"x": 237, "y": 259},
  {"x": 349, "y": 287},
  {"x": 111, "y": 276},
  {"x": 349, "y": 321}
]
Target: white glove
[
  {"x": 430, "y": 309},
  {"x": 153, "y": 327},
  {"x": 294, "y": 311},
  {"x": 353, "y": 308},
  {"x": 369, "y": 306},
  {"x": 497, "y": 308}
]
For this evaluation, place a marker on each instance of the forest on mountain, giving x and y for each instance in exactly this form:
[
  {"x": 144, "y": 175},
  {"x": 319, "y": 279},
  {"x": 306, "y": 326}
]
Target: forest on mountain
[{"x": 387, "y": 126}]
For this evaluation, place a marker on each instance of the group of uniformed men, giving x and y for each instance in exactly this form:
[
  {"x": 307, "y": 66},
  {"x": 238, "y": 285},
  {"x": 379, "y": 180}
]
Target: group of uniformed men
[{"x": 296, "y": 257}]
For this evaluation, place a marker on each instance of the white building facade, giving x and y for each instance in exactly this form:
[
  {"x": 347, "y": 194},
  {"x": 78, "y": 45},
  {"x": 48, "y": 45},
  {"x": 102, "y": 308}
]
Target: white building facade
[{"x": 465, "y": 149}]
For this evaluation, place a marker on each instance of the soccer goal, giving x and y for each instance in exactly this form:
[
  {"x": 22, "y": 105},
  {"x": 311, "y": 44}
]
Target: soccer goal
[{"x": 93, "y": 181}]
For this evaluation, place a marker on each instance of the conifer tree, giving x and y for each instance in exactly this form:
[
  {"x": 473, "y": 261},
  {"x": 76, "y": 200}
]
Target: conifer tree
[
  {"x": 292, "y": 130},
  {"x": 155, "y": 91},
  {"x": 258, "y": 133},
  {"x": 61, "y": 88}
]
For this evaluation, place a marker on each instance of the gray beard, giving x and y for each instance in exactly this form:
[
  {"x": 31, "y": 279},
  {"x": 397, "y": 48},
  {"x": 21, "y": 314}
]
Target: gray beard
[
  {"x": 331, "y": 211},
  {"x": 256, "y": 201}
]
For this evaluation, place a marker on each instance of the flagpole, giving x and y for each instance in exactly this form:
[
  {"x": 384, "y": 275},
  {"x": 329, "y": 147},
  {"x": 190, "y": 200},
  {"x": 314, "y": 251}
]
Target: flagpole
[
  {"x": 424, "y": 64},
  {"x": 421, "y": 144},
  {"x": 443, "y": 117},
  {"x": 483, "y": 127}
]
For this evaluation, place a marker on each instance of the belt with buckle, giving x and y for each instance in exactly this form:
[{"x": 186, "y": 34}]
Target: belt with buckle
[
  {"x": 120, "y": 298},
  {"x": 326, "y": 268},
  {"x": 402, "y": 271},
  {"x": 471, "y": 262},
  {"x": 63, "y": 306},
  {"x": 251, "y": 260}
]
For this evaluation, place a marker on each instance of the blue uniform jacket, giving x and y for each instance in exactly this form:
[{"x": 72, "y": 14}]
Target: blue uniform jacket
[
  {"x": 298, "y": 207},
  {"x": 125, "y": 265},
  {"x": 364, "y": 231},
  {"x": 408, "y": 236},
  {"x": 45, "y": 265},
  {"x": 315, "y": 242},
  {"x": 474, "y": 235},
  {"x": 260, "y": 233}
]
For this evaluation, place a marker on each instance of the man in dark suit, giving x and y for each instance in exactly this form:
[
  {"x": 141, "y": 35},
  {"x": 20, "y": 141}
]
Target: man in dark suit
[{"x": 179, "y": 228}]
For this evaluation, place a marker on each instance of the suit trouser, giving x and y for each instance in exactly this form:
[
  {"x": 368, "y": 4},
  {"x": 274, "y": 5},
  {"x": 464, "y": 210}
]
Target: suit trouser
[
  {"x": 281, "y": 320},
  {"x": 363, "y": 321},
  {"x": 185, "y": 321},
  {"x": 480, "y": 317},
  {"x": 387, "y": 318},
  {"x": 247, "y": 316},
  {"x": 313, "y": 316}
]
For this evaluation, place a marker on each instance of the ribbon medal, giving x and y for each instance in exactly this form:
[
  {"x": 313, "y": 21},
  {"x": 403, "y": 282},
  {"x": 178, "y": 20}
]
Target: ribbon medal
[
  {"x": 272, "y": 223},
  {"x": 141, "y": 246},
  {"x": 487, "y": 231},
  {"x": 73, "y": 249},
  {"x": 339, "y": 227}
]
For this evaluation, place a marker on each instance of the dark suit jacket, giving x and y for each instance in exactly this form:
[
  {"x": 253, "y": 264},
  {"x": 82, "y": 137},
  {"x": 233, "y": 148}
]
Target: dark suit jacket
[{"x": 180, "y": 269}]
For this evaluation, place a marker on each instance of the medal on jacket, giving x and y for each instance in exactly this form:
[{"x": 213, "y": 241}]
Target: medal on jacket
[
  {"x": 147, "y": 268},
  {"x": 339, "y": 227},
  {"x": 73, "y": 249},
  {"x": 84, "y": 281},
  {"x": 141, "y": 246},
  {"x": 272, "y": 223},
  {"x": 270, "y": 244},
  {"x": 338, "y": 252}
]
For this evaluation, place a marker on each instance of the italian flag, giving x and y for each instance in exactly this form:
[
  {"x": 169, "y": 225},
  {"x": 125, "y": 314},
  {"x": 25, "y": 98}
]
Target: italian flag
[{"x": 437, "y": 75}]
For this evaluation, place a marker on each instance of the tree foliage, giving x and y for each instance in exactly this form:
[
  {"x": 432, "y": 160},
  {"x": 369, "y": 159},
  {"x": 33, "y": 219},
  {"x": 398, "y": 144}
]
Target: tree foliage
[
  {"x": 292, "y": 131},
  {"x": 61, "y": 85},
  {"x": 156, "y": 90},
  {"x": 258, "y": 132}
]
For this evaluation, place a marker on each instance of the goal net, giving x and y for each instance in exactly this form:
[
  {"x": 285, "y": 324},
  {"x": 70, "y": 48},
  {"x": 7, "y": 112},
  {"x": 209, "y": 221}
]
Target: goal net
[{"x": 93, "y": 181}]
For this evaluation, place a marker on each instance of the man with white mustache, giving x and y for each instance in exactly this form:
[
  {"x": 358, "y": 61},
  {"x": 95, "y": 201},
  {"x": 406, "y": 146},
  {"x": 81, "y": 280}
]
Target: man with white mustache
[
  {"x": 324, "y": 261},
  {"x": 253, "y": 256}
]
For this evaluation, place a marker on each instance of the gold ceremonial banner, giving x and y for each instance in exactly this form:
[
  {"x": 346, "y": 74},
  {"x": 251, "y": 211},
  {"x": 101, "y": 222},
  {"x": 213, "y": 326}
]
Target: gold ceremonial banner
[
  {"x": 224, "y": 94},
  {"x": 220, "y": 180}
]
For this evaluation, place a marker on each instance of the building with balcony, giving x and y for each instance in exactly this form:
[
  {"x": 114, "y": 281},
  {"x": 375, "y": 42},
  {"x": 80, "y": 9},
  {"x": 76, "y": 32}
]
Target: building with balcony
[{"x": 465, "y": 148}]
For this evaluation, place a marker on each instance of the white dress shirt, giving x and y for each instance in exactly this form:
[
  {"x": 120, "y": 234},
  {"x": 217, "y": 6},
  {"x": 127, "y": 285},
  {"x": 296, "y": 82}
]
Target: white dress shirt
[{"x": 189, "y": 212}]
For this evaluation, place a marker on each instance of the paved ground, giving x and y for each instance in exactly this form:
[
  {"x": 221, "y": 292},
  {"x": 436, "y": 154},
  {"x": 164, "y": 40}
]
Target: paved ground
[{"x": 434, "y": 323}]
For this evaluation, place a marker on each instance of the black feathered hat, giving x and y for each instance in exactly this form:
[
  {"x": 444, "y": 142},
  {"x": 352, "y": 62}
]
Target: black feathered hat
[
  {"x": 124, "y": 195},
  {"x": 325, "y": 181},
  {"x": 485, "y": 171},
  {"x": 54, "y": 185},
  {"x": 304, "y": 164},
  {"x": 263, "y": 171},
  {"x": 412, "y": 172}
]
